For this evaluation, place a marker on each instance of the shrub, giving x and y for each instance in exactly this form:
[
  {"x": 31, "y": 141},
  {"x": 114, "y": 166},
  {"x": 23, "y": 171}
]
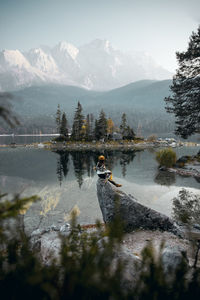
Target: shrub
[
  {"x": 152, "y": 138},
  {"x": 186, "y": 207},
  {"x": 60, "y": 138},
  {"x": 166, "y": 157},
  {"x": 86, "y": 269}
]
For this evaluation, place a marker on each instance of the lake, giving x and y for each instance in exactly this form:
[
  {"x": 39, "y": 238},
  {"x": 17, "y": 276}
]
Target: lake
[
  {"x": 65, "y": 181},
  {"x": 25, "y": 138}
]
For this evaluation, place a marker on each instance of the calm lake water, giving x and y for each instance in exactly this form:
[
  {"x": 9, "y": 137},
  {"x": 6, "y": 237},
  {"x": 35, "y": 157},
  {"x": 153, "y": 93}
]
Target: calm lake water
[
  {"x": 66, "y": 182},
  {"x": 24, "y": 139}
]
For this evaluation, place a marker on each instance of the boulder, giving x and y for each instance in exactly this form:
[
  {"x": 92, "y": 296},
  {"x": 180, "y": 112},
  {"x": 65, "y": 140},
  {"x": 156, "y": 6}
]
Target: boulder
[
  {"x": 47, "y": 241},
  {"x": 172, "y": 258},
  {"x": 133, "y": 214},
  {"x": 131, "y": 264}
]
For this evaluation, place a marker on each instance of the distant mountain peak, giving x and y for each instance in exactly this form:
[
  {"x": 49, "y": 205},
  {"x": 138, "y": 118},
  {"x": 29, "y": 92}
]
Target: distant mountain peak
[
  {"x": 42, "y": 61},
  {"x": 71, "y": 49},
  {"x": 98, "y": 44},
  {"x": 96, "y": 65},
  {"x": 15, "y": 58}
]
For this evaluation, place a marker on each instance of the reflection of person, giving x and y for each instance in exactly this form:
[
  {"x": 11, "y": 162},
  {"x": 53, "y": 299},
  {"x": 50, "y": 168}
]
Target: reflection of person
[{"x": 103, "y": 173}]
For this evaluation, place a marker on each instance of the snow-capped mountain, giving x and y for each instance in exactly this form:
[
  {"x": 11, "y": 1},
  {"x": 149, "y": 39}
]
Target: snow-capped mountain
[{"x": 96, "y": 66}]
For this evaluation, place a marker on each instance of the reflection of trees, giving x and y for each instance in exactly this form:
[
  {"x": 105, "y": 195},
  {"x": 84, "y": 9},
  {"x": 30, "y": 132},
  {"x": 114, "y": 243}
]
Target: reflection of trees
[
  {"x": 89, "y": 163},
  {"x": 165, "y": 178},
  {"x": 78, "y": 166},
  {"x": 111, "y": 157},
  {"x": 62, "y": 164},
  {"x": 84, "y": 162},
  {"x": 125, "y": 158}
]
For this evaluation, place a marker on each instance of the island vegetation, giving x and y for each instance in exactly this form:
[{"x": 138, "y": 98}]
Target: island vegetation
[{"x": 89, "y": 128}]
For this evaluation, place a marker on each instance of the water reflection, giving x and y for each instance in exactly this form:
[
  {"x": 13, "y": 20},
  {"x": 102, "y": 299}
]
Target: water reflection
[
  {"x": 81, "y": 164},
  {"x": 84, "y": 162},
  {"x": 165, "y": 178},
  {"x": 126, "y": 158},
  {"x": 62, "y": 165}
]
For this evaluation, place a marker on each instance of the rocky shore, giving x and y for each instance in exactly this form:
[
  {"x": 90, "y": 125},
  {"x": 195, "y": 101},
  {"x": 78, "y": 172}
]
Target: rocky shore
[
  {"x": 113, "y": 202},
  {"x": 113, "y": 145},
  {"x": 142, "y": 226}
]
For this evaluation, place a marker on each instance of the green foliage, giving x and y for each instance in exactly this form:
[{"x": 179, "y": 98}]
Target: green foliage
[
  {"x": 123, "y": 125},
  {"x": 186, "y": 207},
  {"x": 85, "y": 269},
  {"x": 58, "y": 118},
  {"x": 126, "y": 131},
  {"x": 184, "y": 102},
  {"x": 11, "y": 208},
  {"x": 64, "y": 126},
  {"x": 101, "y": 126},
  {"x": 166, "y": 157},
  {"x": 60, "y": 139},
  {"x": 77, "y": 134}
]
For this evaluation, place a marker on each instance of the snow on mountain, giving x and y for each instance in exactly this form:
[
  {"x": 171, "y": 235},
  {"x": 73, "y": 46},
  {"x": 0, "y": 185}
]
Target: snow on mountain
[
  {"x": 68, "y": 48},
  {"x": 16, "y": 71},
  {"x": 96, "y": 65},
  {"x": 42, "y": 61},
  {"x": 14, "y": 58}
]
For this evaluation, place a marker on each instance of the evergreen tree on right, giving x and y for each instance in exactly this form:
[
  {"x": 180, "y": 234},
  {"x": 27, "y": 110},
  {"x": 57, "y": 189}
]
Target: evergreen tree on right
[{"x": 185, "y": 99}]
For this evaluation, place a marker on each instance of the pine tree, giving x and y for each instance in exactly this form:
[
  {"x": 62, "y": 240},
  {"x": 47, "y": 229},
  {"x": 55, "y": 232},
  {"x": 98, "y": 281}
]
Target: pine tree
[
  {"x": 185, "y": 99},
  {"x": 126, "y": 131},
  {"x": 130, "y": 135},
  {"x": 123, "y": 126},
  {"x": 58, "y": 118},
  {"x": 101, "y": 126},
  {"x": 64, "y": 126},
  {"x": 77, "y": 133}
]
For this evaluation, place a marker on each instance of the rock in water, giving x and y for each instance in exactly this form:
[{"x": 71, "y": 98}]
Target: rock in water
[{"x": 133, "y": 214}]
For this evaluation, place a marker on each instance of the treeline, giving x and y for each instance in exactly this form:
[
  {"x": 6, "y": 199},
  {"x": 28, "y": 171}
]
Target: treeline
[
  {"x": 88, "y": 128},
  {"x": 144, "y": 123}
]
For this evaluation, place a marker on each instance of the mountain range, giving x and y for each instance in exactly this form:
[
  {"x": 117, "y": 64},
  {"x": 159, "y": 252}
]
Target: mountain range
[
  {"x": 141, "y": 96},
  {"x": 94, "y": 66},
  {"x": 142, "y": 101}
]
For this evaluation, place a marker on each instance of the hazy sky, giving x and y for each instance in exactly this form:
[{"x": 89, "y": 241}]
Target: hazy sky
[{"x": 158, "y": 27}]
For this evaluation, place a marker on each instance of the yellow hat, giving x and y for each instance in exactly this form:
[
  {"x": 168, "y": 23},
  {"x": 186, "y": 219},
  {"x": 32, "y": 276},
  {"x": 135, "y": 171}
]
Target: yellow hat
[{"x": 101, "y": 157}]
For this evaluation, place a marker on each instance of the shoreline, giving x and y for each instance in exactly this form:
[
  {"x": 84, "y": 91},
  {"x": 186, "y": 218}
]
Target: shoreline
[{"x": 81, "y": 146}]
